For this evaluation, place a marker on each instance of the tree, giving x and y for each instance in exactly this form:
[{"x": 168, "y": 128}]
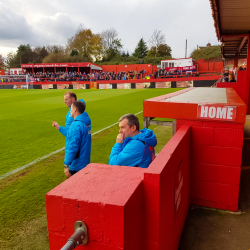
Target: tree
[
  {"x": 124, "y": 55},
  {"x": 111, "y": 44},
  {"x": 114, "y": 50},
  {"x": 24, "y": 54},
  {"x": 86, "y": 44},
  {"x": 2, "y": 66},
  {"x": 54, "y": 48},
  {"x": 42, "y": 53},
  {"x": 156, "y": 39},
  {"x": 12, "y": 60},
  {"x": 152, "y": 51},
  {"x": 63, "y": 57},
  {"x": 164, "y": 50},
  {"x": 108, "y": 37},
  {"x": 37, "y": 54},
  {"x": 141, "y": 49},
  {"x": 207, "y": 53},
  {"x": 74, "y": 53}
]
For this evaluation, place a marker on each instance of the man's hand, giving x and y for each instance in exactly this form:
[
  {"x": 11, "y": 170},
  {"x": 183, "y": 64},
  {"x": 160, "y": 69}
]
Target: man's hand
[
  {"x": 120, "y": 138},
  {"x": 55, "y": 124},
  {"x": 66, "y": 172}
]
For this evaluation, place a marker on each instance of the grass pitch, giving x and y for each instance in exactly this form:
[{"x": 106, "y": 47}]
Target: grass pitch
[{"x": 26, "y": 134}]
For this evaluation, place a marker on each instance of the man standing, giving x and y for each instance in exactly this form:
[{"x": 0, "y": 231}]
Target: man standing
[
  {"x": 78, "y": 142},
  {"x": 69, "y": 98},
  {"x": 133, "y": 147}
]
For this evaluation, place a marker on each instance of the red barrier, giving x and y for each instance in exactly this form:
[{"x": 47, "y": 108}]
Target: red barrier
[
  {"x": 107, "y": 198},
  {"x": 126, "y": 207},
  {"x": 216, "y": 145},
  {"x": 215, "y": 163},
  {"x": 167, "y": 186}
]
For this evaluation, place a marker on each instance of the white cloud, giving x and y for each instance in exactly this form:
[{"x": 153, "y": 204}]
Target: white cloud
[
  {"x": 13, "y": 26},
  {"x": 53, "y": 21},
  {"x": 55, "y": 29}
]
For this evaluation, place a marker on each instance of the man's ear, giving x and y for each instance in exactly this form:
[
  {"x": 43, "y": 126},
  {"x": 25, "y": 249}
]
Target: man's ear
[{"x": 133, "y": 128}]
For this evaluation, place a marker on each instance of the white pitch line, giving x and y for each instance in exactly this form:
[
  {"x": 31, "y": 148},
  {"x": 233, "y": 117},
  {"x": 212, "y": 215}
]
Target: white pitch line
[{"x": 48, "y": 155}]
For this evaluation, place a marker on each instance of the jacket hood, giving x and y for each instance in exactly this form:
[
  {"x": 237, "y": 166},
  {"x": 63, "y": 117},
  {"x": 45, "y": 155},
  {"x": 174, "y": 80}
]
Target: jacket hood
[
  {"x": 81, "y": 100},
  {"x": 83, "y": 118},
  {"x": 146, "y": 135}
]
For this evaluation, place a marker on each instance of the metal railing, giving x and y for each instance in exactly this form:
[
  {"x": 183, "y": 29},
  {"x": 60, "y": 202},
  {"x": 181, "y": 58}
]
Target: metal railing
[
  {"x": 79, "y": 237},
  {"x": 147, "y": 121}
]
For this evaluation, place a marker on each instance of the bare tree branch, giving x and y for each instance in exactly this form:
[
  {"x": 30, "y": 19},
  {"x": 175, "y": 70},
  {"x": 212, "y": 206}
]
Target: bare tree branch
[
  {"x": 108, "y": 37},
  {"x": 156, "y": 39}
]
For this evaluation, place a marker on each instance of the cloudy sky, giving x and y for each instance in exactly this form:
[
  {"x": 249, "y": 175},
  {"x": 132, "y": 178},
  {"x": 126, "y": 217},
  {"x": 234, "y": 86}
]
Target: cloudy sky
[{"x": 50, "y": 22}]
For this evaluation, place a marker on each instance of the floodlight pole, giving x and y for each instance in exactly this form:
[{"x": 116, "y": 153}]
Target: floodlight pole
[{"x": 186, "y": 50}]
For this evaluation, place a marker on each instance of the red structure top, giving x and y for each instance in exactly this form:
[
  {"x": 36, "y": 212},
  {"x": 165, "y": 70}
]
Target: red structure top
[{"x": 216, "y": 104}]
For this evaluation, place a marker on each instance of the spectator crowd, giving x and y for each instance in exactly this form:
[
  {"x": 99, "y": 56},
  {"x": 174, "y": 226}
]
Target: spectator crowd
[
  {"x": 98, "y": 75},
  {"x": 94, "y": 76},
  {"x": 231, "y": 76},
  {"x": 163, "y": 73}
]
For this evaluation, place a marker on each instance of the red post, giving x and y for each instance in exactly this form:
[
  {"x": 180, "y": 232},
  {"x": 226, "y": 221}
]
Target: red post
[
  {"x": 55, "y": 69},
  {"x": 78, "y": 70},
  {"x": 248, "y": 75},
  {"x": 236, "y": 60}
]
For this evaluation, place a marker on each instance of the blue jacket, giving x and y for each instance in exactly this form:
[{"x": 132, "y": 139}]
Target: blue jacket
[
  {"x": 69, "y": 120},
  {"x": 135, "y": 151},
  {"x": 78, "y": 144}
]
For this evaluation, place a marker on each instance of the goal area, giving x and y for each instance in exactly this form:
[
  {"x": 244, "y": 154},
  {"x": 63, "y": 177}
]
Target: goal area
[{"x": 18, "y": 81}]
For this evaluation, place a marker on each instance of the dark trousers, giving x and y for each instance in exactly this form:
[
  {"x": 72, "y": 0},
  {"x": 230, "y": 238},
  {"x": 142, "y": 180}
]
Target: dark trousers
[{"x": 72, "y": 172}]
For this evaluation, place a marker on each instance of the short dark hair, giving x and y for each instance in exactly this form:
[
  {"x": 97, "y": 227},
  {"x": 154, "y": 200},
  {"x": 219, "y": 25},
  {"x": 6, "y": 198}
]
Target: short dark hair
[
  {"x": 132, "y": 120},
  {"x": 80, "y": 106},
  {"x": 71, "y": 94}
]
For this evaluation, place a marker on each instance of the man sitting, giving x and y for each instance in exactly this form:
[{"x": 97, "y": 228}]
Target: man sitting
[{"x": 133, "y": 147}]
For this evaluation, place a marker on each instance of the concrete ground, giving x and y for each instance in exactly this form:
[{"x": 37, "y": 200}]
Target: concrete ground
[{"x": 211, "y": 229}]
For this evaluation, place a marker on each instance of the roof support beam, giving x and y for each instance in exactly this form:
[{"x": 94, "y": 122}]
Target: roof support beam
[
  {"x": 242, "y": 44},
  {"x": 248, "y": 75},
  {"x": 234, "y": 35}
]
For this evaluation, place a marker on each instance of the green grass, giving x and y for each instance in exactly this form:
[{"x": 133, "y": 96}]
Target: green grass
[
  {"x": 25, "y": 122},
  {"x": 26, "y": 134}
]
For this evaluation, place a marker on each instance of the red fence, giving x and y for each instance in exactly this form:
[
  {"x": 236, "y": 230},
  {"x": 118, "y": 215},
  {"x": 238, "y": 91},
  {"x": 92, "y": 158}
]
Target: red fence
[
  {"x": 129, "y": 67},
  {"x": 209, "y": 66}
]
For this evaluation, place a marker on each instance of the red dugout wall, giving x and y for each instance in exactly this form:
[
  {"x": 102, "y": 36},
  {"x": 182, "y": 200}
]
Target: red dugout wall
[{"x": 125, "y": 207}]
